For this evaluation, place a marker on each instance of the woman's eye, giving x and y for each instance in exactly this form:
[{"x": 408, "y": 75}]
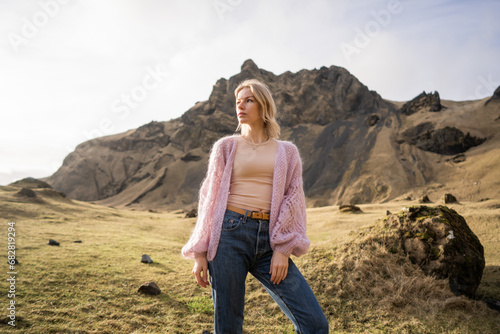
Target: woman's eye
[{"x": 249, "y": 100}]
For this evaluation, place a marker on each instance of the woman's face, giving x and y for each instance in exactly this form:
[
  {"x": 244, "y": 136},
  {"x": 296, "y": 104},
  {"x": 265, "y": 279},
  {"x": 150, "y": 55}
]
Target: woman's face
[{"x": 248, "y": 109}]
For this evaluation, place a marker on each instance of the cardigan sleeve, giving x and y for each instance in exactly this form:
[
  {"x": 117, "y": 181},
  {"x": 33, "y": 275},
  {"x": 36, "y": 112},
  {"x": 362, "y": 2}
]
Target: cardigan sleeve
[
  {"x": 289, "y": 236},
  {"x": 200, "y": 238}
]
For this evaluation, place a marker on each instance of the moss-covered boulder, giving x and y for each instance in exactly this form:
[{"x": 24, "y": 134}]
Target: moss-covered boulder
[{"x": 440, "y": 242}]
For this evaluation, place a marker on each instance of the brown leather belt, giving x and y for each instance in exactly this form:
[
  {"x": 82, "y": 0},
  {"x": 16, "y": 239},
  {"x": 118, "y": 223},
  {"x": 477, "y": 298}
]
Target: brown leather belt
[{"x": 251, "y": 214}]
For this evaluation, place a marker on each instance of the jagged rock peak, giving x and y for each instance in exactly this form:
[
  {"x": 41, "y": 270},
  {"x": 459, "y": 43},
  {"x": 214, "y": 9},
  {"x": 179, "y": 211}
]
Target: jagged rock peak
[
  {"x": 432, "y": 101},
  {"x": 249, "y": 65}
]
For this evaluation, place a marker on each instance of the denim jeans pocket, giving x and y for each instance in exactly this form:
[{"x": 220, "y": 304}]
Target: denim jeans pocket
[{"x": 231, "y": 224}]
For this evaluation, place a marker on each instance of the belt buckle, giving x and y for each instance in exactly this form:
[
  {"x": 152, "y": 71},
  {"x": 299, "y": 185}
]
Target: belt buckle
[{"x": 256, "y": 215}]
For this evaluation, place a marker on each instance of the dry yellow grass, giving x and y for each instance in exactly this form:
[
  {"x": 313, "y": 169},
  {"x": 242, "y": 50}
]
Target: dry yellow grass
[{"x": 91, "y": 287}]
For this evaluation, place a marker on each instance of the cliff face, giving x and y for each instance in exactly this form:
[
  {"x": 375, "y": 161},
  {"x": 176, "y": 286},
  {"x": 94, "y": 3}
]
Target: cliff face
[{"x": 355, "y": 146}]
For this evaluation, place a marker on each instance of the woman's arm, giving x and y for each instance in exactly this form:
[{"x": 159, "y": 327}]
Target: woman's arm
[
  {"x": 289, "y": 234},
  {"x": 198, "y": 242}
]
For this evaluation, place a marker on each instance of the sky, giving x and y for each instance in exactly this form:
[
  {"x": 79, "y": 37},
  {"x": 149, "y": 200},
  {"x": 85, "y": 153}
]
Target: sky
[{"x": 73, "y": 70}]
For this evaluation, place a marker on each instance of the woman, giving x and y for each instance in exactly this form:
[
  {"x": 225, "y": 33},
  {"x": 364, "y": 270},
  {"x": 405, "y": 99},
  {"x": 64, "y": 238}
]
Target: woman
[{"x": 251, "y": 218}]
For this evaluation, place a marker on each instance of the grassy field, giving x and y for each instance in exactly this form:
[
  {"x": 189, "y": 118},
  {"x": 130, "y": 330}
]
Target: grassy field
[{"x": 91, "y": 287}]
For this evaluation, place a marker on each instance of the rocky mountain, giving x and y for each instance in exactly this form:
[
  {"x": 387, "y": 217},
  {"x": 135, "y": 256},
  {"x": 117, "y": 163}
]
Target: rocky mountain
[{"x": 356, "y": 147}]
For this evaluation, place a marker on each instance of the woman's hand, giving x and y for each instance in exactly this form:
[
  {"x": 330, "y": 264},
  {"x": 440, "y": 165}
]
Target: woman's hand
[
  {"x": 200, "y": 270},
  {"x": 279, "y": 267}
]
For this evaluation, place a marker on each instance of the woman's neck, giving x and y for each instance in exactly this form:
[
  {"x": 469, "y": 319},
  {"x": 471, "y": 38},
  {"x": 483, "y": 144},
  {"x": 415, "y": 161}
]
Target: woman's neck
[{"x": 254, "y": 135}]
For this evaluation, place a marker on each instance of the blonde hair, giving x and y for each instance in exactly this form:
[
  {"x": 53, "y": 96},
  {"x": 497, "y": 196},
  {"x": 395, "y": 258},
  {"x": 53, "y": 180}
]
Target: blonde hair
[{"x": 266, "y": 102}]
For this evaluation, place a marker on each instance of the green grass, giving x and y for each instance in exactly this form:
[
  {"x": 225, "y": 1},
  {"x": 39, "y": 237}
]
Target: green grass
[{"x": 91, "y": 287}]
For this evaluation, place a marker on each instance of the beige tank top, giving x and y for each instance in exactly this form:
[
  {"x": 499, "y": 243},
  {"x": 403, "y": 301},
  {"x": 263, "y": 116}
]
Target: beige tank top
[{"x": 252, "y": 177}]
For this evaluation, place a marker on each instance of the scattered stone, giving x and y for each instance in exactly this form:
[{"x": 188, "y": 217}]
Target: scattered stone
[
  {"x": 15, "y": 261},
  {"x": 146, "y": 259},
  {"x": 449, "y": 198},
  {"x": 409, "y": 198},
  {"x": 192, "y": 213},
  {"x": 77, "y": 241},
  {"x": 493, "y": 303},
  {"x": 440, "y": 242},
  {"x": 388, "y": 213},
  {"x": 150, "y": 288},
  {"x": 350, "y": 208},
  {"x": 53, "y": 243},
  {"x": 425, "y": 199}
]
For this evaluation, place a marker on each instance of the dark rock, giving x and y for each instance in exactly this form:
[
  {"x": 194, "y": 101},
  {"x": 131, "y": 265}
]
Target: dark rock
[
  {"x": 425, "y": 199},
  {"x": 191, "y": 213},
  {"x": 388, "y": 213},
  {"x": 373, "y": 119},
  {"x": 350, "y": 208},
  {"x": 494, "y": 97},
  {"x": 457, "y": 158},
  {"x": 146, "y": 259},
  {"x": 492, "y": 303},
  {"x": 440, "y": 242},
  {"x": 26, "y": 192},
  {"x": 449, "y": 198},
  {"x": 190, "y": 157},
  {"x": 53, "y": 243},
  {"x": 424, "y": 100},
  {"x": 447, "y": 140},
  {"x": 150, "y": 288},
  {"x": 77, "y": 241},
  {"x": 408, "y": 198},
  {"x": 15, "y": 262}
]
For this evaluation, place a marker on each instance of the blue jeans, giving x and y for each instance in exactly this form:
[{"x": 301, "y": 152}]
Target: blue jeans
[{"x": 244, "y": 247}]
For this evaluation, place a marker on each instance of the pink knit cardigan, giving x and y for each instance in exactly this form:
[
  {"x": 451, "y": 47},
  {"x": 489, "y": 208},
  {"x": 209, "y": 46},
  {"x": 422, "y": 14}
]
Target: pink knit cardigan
[{"x": 287, "y": 224}]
